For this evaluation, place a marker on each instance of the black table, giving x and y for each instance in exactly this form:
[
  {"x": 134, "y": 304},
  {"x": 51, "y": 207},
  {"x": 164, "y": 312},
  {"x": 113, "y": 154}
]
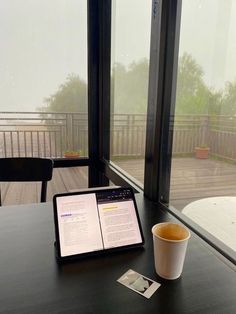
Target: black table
[{"x": 32, "y": 282}]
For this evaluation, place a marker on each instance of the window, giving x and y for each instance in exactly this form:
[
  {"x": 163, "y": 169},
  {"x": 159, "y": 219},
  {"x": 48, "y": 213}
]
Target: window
[
  {"x": 43, "y": 89},
  {"x": 43, "y": 78},
  {"x": 203, "y": 172},
  {"x": 131, "y": 25}
]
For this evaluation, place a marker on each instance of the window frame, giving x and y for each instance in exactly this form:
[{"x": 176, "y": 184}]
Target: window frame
[{"x": 165, "y": 30}]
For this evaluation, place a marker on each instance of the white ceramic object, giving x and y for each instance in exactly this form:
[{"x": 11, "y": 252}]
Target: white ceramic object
[{"x": 170, "y": 242}]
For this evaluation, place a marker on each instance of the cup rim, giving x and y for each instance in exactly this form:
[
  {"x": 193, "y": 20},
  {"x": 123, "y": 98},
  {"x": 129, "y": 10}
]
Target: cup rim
[{"x": 170, "y": 240}]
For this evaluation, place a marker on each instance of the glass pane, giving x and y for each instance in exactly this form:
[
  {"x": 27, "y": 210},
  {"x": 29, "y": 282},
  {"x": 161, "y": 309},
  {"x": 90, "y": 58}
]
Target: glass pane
[
  {"x": 43, "y": 84},
  {"x": 203, "y": 176},
  {"x": 131, "y": 25}
]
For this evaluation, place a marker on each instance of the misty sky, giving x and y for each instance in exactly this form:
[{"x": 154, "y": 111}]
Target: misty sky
[
  {"x": 43, "y": 41},
  {"x": 208, "y": 33}
]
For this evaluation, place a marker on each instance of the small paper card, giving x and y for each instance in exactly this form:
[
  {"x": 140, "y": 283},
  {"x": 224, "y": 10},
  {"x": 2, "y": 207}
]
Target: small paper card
[{"x": 139, "y": 283}]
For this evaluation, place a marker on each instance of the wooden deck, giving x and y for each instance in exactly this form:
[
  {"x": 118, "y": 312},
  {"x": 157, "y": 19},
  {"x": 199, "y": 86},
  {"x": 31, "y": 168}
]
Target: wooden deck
[
  {"x": 194, "y": 179},
  {"x": 191, "y": 179},
  {"x": 64, "y": 180}
]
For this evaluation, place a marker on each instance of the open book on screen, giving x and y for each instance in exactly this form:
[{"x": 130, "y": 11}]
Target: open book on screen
[{"x": 95, "y": 221}]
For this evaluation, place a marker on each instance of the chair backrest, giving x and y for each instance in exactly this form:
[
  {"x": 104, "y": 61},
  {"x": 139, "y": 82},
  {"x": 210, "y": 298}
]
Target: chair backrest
[{"x": 19, "y": 169}]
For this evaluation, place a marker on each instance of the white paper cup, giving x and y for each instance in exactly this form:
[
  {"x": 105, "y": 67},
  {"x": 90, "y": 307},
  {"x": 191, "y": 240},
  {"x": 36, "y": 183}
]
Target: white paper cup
[{"x": 170, "y": 242}]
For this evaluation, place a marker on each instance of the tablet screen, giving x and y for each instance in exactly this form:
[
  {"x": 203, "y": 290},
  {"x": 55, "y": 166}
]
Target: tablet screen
[{"x": 96, "y": 220}]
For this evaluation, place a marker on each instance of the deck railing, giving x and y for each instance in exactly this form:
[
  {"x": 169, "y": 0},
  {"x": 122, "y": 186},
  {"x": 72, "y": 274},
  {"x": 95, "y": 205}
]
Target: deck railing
[
  {"x": 49, "y": 134},
  {"x": 42, "y": 134},
  {"x": 216, "y": 132}
]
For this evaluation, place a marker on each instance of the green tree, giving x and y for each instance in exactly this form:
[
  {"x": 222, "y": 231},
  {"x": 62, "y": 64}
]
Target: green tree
[
  {"x": 193, "y": 95},
  {"x": 215, "y": 102},
  {"x": 229, "y": 99},
  {"x": 129, "y": 91},
  {"x": 130, "y": 87},
  {"x": 70, "y": 97}
]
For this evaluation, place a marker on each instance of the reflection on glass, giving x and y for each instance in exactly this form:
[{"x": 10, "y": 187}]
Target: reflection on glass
[
  {"x": 131, "y": 23},
  {"x": 204, "y": 152}
]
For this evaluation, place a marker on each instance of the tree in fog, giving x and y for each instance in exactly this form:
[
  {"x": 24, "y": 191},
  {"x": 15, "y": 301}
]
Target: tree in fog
[
  {"x": 192, "y": 95},
  {"x": 129, "y": 87},
  {"x": 129, "y": 91},
  {"x": 229, "y": 99},
  {"x": 71, "y": 96}
]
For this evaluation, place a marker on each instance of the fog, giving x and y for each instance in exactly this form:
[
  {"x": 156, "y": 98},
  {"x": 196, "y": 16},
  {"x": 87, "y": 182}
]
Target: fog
[
  {"x": 42, "y": 42},
  {"x": 208, "y": 33}
]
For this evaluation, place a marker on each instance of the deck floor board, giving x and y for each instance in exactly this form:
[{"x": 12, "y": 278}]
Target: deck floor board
[{"x": 191, "y": 179}]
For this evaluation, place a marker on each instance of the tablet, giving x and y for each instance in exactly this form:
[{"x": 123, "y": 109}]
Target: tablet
[{"x": 96, "y": 221}]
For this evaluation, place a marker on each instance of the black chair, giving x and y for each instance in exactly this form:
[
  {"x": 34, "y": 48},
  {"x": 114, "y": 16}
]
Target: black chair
[{"x": 20, "y": 169}]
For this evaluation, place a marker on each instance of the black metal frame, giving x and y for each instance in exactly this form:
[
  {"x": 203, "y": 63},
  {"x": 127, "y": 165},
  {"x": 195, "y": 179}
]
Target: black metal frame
[
  {"x": 161, "y": 98},
  {"x": 70, "y": 162},
  {"x": 99, "y": 41}
]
